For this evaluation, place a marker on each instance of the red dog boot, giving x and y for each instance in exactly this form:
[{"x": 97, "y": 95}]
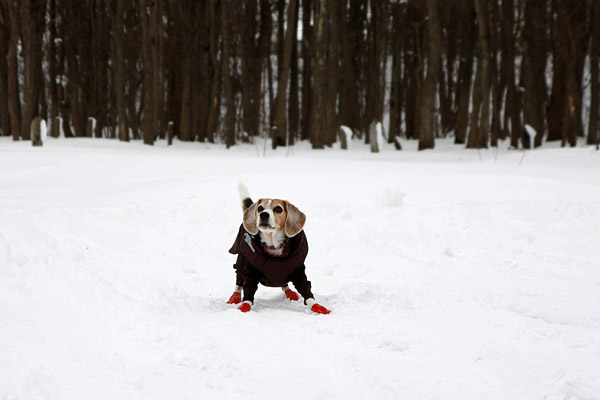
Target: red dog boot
[
  {"x": 291, "y": 295},
  {"x": 236, "y": 298},
  {"x": 245, "y": 307},
  {"x": 316, "y": 307},
  {"x": 319, "y": 309}
]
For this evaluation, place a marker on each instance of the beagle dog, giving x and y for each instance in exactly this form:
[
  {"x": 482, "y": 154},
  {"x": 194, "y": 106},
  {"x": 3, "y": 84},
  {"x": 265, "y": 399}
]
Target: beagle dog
[{"x": 271, "y": 247}]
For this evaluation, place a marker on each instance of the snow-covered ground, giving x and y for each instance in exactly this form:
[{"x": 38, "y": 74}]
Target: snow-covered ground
[{"x": 451, "y": 274}]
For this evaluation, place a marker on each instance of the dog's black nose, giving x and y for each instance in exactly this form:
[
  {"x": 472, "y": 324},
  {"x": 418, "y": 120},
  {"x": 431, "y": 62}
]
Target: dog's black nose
[{"x": 264, "y": 215}]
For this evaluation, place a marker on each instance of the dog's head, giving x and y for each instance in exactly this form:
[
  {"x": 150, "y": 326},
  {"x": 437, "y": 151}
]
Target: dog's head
[{"x": 270, "y": 215}]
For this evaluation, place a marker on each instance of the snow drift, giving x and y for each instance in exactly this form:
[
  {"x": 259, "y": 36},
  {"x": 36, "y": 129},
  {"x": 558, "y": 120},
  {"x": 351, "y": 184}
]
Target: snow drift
[{"x": 448, "y": 277}]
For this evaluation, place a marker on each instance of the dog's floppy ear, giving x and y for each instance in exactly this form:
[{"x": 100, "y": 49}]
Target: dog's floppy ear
[
  {"x": 250, "y": 220},
  {"x": 295, "y": 220}
]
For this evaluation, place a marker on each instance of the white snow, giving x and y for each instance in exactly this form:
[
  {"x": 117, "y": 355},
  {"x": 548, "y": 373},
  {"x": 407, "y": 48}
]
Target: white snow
[
  {"x": 379, "y": 135},
  {"x": 531, "y": 132},
  {"x": 43, "y": 130},
  {"x": 348, "y": 132},
  {"x": 448, "y": 277}
]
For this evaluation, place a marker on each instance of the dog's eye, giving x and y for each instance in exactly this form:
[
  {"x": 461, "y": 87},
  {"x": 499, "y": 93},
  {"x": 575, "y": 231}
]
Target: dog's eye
[
  {"x": 278, "y": 209},
  {"x": 260, "y": 209}
]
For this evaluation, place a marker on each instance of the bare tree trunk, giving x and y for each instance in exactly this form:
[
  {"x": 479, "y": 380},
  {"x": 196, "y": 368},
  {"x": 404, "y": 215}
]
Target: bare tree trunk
[
  {"x": 119, "y": 71},
  {"x": 279, "y": 130},
  {"x": 280, "y": 36},
  {"x": 253, "y": 54},
  {"x": 53, "y": 70},
  {"x": 375, "y": 79},
  {"x": 201, "y": 103},
  {"x": 497, "y": 81},
  {"x": 428, "y": 93},
  {"x": 229, "y": 125},
  {"x": 32, "y": 26},
  {"x": 396, "y": 84},
  {"x": 215, "y": 73},
  {"x": 149, "y": 18},
  {"x": 332, "y": 80},
  {"x": 318, "y": 121},
  {"x": 481, "y": 92},
  {"x": 533, "y": 70},
  {"x": 187, "y": 23},
  {"x": 593, "y": 135},
  {"x": 307, "y": 73},
  {"x": 465, "y": 71},
  {"x": 565, "y": 108},
  {"x": 512, "y": 105},
  {"x": 294, "y": 96},
  {"x": 4, "y": 44},
  {"x": 447, "y": 86},
  {"x": 14, "y": 101},
  {"x": 352, "y": 48}
]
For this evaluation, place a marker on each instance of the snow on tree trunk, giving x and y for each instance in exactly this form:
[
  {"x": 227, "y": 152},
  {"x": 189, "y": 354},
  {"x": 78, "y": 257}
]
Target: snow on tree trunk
[
  {"x": 43, "y": 130},
  {"x": 345, "y": 134},
  {"x": 374, "y": 133},
  {"x": 58, "y": 127},
  {"x": 36, "y": 131},
  {"x": 532, "y": 133},
  {"x": 91, "y": 127},
  {"x": 397, "y": 143}
]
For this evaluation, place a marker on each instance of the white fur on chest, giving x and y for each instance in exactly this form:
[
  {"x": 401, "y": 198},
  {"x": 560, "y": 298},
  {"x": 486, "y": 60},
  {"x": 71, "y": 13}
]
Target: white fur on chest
[{"x": 273, "y": 241}]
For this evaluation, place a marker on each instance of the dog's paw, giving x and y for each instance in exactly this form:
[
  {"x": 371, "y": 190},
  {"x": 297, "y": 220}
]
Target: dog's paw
[
  {"x": 319, "y": 309},
  {"x": 291, "y": 295},
  {"x": 245, "y": 307},
  {"x": 236, "y": 298}
]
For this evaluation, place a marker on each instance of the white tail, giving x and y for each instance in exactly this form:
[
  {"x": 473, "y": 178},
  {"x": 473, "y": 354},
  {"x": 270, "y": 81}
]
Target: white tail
[{"x": 244, "y": 196}]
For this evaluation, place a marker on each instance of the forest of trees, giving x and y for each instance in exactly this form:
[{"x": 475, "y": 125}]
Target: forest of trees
[{"x": 225, "y": 71}]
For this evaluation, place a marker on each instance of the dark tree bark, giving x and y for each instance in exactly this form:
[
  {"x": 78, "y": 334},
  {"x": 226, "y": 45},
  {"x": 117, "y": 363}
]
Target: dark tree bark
[
  {"x": 512, "y": 105},
  {"x": 318, "y": 121},
  {"x": 497, "y": 81},
  {"x": 201, "y": 85},
  {"x": 533, "y": 70},
  {"x": 593, "y": 134},
  {"x": 253, "y": 53},
  {"x": 280, "y": 36},
  {"x": 279, "y": 130},
  {"x": 478, "y": 133},
  {"x": 215, "y": 68},
  {"x": 428, "y": 91},
  {"x": 306, "y": 47},
  {"x": 4, "y": 43},
  {"x": 149, "y": 17},
  {"x": 53, "y": 69},
  {"x": 32, "y": 26},
  {"x": 465, "y": 70},
  {"x": 375, "y": 63},
  {"x": 188, "y": 22},
  {"x": 351, "y": 113},
  {"x": 447, "y": 83},
  {"x": 294, "y": 94},
  {"x": 14, "y": 102},
  {"x": 414, "y": 65},
  {"x": 396, "y": 84},
  {"x": 332, "y": 80},
  {"x": 564, "y": 117},
  {"x": 119, "y": 70},
  {"x": 229, "y": 102}
]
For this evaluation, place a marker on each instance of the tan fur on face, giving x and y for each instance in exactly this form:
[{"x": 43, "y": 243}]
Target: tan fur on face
[{"x": 284, "y": 216}]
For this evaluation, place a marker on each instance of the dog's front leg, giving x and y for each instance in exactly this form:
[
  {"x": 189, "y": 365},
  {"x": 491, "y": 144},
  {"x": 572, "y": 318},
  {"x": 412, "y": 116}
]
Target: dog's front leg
[
  {"x": 250, "y": 288},
  {"x": 303, "y": 285}
]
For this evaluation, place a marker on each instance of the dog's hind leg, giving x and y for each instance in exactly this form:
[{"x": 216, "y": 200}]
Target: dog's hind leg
[{"x": 236, "y": 297}]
